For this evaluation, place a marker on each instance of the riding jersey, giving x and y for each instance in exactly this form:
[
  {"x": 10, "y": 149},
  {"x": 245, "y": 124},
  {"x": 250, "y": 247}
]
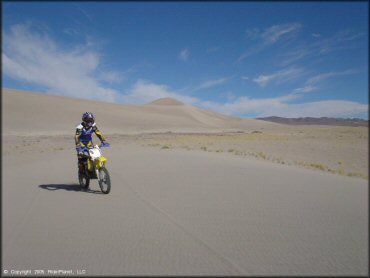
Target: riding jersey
[{"x": 85, "y": 133}]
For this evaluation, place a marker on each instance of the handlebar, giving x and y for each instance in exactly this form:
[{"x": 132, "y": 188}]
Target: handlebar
[{"x": 103, "y": 145}]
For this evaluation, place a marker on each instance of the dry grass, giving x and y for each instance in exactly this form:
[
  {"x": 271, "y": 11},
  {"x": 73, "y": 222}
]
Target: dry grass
[{"x": 337, "y": 150}]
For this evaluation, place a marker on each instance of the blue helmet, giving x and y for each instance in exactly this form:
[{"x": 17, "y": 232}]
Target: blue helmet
[{"x": 88, "y": 118}]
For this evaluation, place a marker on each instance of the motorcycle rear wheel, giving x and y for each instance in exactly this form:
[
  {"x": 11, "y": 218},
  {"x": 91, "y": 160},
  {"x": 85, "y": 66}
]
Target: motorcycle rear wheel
[
  {"x": 84, "y": 180},
  {"x": 104, "y": 180}
]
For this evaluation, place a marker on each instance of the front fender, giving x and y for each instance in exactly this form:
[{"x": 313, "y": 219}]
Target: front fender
[{"x": 99, "y": 162}]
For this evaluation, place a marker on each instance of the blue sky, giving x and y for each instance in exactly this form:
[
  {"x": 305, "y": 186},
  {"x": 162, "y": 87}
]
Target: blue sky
[{"x": 247, "y": 59}]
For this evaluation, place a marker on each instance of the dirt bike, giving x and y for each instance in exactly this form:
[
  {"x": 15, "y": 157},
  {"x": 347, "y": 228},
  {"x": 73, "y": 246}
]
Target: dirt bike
[{"x": 94, "y": 168}]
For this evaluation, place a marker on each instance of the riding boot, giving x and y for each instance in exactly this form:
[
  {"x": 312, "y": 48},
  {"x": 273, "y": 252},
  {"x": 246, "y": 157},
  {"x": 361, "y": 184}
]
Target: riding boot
[{"x": 80, "y": 168}]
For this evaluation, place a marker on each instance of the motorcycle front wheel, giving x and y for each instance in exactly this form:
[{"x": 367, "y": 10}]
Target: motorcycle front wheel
[{"x": 104, "y": 180}]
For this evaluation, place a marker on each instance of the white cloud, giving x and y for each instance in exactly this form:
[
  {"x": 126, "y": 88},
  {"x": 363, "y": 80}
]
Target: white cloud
[
  {"x": 246, "y": 105},
  {"x": 229, "y": 95},
  {"x": 112, "y": 76},
  {"x": 327, "y": 108},
  {"x": 144, "y": 91},
  {"x": 34, "y": 57},
  {"x": 184, "y": 55},
  {"x": 279, "y": 76},
  {"x": 282, "y": 106}
]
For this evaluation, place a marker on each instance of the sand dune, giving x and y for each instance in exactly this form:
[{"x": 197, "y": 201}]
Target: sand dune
[
  {"x": 166, "y": 101},
  {"x": 49, "y": 114}
]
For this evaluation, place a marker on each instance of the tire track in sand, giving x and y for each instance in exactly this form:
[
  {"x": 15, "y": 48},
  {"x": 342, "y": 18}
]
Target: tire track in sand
[{"x": 240, "y": 270}]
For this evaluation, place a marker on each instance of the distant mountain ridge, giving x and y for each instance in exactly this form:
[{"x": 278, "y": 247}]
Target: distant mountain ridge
[{"x": 317, "y": 121}]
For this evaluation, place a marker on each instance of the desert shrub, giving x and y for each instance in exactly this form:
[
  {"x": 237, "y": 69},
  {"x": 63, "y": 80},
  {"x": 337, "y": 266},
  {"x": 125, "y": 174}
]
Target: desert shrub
[
  {"x": 261, "y": 155},
  {"x": 351, "y": 174},
  {"x": 319, "y": 166}
]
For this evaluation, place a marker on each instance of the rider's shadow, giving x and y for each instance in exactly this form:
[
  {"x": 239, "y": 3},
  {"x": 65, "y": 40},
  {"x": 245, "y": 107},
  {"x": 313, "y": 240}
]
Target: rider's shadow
[{"x": 69, "y": 187}]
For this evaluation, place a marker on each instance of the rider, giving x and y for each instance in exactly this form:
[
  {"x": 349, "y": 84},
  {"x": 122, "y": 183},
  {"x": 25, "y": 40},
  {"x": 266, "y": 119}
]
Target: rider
[{"x": 83, "y": 137}]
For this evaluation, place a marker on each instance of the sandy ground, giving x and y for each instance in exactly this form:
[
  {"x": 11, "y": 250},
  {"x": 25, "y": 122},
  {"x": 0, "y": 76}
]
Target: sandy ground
[
  {"x": 179, "y": 212},
  {"x": 193, "y": 193}
]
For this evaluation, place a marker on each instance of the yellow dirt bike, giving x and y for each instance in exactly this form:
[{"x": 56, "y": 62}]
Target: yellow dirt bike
[{"x": 94, "y": 168}]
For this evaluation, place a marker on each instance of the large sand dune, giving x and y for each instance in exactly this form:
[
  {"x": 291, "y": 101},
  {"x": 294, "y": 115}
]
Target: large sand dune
[
  {"x": 27, "y": 112},
  {"x": 181, "y": 204}
]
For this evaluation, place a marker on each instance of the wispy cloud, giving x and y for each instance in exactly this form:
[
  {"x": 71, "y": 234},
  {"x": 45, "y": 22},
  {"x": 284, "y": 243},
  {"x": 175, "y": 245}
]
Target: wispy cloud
[
  {"x": 211, "y": 83},
  {"x": 272, "y": 34},
  {"x": 249, "y": 52},
  {"x": 184, "y": 55},
  {"x": 278, "y": 77},
  {"x": 321, "y": 77},
  {"x": 305, "y": 89},
  {"x": 144, "y": 91},
  {"x": 34, "y": 57},
  {"x": 265, "y": 38},
  {"x": 213, "y": 49},
  {"x": 295, "y": 55},
  {"x": 71, "y": 31},
  {"x": 342, "y": 40},
  {"x": 84, "y": 12}
]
